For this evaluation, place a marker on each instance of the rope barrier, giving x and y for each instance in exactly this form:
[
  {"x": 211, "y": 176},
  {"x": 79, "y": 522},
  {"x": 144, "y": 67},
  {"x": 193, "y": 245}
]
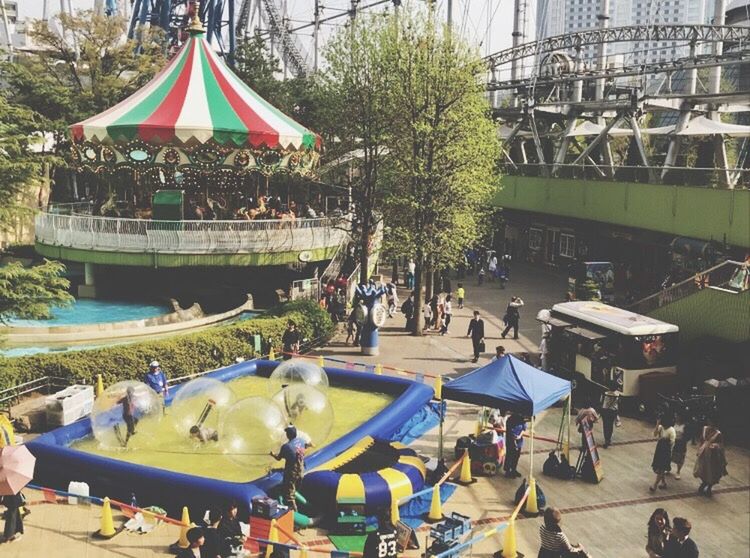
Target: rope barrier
[{"x": 349, "y": 363}]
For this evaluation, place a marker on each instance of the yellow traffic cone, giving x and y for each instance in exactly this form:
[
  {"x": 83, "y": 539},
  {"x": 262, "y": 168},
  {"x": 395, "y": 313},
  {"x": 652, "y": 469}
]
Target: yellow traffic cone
[
  {"x": 184, "y": 528},
  {"x": 99, "y": 385},
  {"x": 478, "y": 429},
  {"x": 436, "y": 507},
  {"x": 378, "y": 369},
  {"x": 465, "y": 477},
  {"x": 303, "y": 552},
  {"x": 395, "y": 514},
  {"x": 531, "y": 507},
  {"x": 510, "y": 549},
  {"x": 273, "y": 536},
  {"x": 107, "y": 527},
  {"x": 271, "y": 354},
  {"x": 438, "y": 388},
  {"x": 321, "y": 361}
]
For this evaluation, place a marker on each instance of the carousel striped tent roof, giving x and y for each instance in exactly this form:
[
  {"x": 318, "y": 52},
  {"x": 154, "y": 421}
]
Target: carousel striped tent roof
[{"x": 196, "y": 98}]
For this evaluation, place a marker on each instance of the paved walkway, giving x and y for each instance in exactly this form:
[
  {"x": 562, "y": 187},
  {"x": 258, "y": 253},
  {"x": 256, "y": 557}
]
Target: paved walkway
[{"x": 608, "y": 518}]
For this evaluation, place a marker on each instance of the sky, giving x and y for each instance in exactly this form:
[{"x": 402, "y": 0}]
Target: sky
[{"x": 488, "y": 24}]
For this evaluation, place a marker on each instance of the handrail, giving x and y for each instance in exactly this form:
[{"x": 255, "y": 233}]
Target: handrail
[
  {"x": 113, "y": 234},
  {"x": 711, "y": 277},
  {"x": 11, "y": 394}
]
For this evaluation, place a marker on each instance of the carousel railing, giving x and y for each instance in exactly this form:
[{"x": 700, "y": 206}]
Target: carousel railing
[{"x": 189, "y": 237}]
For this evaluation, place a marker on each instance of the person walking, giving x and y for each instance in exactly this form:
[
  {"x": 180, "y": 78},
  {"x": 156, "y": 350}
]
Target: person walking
[
  {"x": 554, "y": 543},
  {"x": 512, "y": 316},
  {"x": 427, "y": 315},
  {"x": 435, "y": 307},
  {"x": 447, "y": 314},
  {"x": 680, "y": 444},
  {"x": 610, "y": 408},
  {"x": 293, "y": 454},
  {"x": 492, "y": 267},
  {"x": 407, "y": 308},
  {"x": 460, "y": 295},
  {"x": 658, "y": 533},
  {"x": 13, "y": 518},
  {"x": 711, "y": 463},
  {"x": 411, "y": 270},
  {"x": 679, "y": 544},
  {"x": 515, "y": 426},
  {"x": 661, "y": 463},
  {"x": 476, "y": 332}
]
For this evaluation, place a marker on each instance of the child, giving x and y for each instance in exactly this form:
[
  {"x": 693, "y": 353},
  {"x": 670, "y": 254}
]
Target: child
[
  {"x": 203, "y": 434},
  {"x": 427, "y": 313},
  {"x": 460, "y": 293},
  {"x": 480, "y": 276}
]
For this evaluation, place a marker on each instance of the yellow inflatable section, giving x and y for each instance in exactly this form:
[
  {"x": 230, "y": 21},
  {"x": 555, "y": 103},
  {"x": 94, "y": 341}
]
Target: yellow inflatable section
[{"x": 7, "y": 438}]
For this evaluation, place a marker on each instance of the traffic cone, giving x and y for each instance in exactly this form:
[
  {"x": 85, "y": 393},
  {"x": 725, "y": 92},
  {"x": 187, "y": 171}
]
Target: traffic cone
[
  {"x": 478, "y": 429},
  {"x": 303, "y": 552},
  {"x": 531, "y": 507},
  {"x": 271, "y": 354},
  {"x": 438, "y": 388},
  {"x": 510, "y": 548},
  {"x": 321, "y": 361},
  {"x": 107, "y": 526},
  {"x": 395, "y": 514},
  {"x": 465, "y": 477},
  {"x": 184, "y": 528},
  {"x": 273, "y": 536},
  {"x": 378, "y": 369},
  {"x": 436, "y": 507},
  {"x": 99, "y": 385}
]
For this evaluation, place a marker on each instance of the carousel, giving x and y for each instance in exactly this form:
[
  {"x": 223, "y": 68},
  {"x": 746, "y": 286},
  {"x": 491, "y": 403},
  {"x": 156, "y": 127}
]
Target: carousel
[{"x": 194, "y": 169}]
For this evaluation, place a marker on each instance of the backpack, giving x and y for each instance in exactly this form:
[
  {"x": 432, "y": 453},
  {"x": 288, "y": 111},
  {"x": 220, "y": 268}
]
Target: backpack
[{"x": 551, "y": 466}]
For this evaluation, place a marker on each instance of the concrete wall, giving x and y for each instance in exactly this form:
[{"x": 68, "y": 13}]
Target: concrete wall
[{"x": 703, "y": 213}]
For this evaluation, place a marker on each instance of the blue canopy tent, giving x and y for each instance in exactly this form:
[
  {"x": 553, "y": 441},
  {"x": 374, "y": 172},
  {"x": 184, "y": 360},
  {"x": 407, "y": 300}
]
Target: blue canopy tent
[{"x": 509, "y": 383}]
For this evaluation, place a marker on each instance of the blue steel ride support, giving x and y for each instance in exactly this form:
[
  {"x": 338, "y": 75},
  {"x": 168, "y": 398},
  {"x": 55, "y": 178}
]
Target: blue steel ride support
[{"x": 368, "y": 294}]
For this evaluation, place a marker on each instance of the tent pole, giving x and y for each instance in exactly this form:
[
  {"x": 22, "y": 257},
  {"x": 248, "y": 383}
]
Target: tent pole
[
  {"x": 440, "y": 436},
  {"x": 570, "y": 412},
  {"x": 531, "y": 451}
]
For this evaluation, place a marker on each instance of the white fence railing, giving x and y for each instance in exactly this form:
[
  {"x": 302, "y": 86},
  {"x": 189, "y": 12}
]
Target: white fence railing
[{"x": 188, "y": 237}]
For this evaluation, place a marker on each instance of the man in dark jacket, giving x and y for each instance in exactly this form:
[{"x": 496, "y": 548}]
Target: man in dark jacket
[
  {"x": 476, "y": 332},
  {"x": 679, "y": 544}
]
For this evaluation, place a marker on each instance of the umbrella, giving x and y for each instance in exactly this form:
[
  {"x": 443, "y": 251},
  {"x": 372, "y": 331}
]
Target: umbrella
[{"x": 16, "y": 469}]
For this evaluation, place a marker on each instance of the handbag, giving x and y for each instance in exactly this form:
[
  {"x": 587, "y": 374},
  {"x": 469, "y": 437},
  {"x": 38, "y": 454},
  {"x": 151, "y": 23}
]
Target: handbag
[{"x": 482, "y": 347}]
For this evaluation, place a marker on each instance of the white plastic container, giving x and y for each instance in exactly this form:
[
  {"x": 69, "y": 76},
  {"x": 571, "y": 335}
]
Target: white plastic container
[
  {"x": 69, "y": 405},
  {"x": 79, "y": 489}
]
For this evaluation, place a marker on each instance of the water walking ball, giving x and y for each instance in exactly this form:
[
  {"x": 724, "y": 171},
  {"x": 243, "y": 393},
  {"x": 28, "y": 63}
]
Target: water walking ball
[
  {"x": 200, "y": 402},
  {"x": 308, "y": 409},
  {"x": 297, "y": 371},
  {"x": 125, "y": 415},
  {"x": 250, "y": 429}
]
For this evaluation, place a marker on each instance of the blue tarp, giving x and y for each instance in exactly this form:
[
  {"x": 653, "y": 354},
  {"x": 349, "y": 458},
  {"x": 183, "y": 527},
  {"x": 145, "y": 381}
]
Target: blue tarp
[{"x": 508, "y": 383}]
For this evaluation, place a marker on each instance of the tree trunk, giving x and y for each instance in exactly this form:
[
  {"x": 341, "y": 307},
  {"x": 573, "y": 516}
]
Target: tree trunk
[
  {"x": 418, "y": 301},
  {"x": 437, "y": 286},
  {"x": 364, "y": 250},
  {"x": 428, "y": 292}
]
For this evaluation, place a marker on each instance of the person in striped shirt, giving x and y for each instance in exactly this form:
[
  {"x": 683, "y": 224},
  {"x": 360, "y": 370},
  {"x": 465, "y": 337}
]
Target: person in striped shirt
[{"x": 554, "y": 542}]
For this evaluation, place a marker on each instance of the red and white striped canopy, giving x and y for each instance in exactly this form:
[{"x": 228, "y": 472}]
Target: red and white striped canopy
[{"x": 196, "y": 99}]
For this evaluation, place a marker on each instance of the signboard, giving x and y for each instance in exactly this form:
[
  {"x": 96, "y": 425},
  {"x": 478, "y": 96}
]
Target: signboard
[
  {"x": 405, "y": 536},
  {"x": 593, "y": 453}
]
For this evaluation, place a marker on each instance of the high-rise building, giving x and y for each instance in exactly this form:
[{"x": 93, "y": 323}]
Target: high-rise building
[{"x": 556, "y": 17}]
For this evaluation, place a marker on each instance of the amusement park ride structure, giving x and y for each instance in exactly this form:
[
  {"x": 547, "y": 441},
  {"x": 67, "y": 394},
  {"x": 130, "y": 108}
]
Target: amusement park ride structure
[{"x": 569, "y": 109}]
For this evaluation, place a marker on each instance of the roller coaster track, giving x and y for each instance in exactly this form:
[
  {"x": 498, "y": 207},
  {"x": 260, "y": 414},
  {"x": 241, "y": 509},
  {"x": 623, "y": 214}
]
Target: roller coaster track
[
  {"x": 293, "y": 52},
  {"x": 736, "y": 35}
]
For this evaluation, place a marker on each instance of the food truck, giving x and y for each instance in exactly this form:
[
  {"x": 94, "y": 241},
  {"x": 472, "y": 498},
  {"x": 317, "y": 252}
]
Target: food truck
[{"x": 611, "y": 348}]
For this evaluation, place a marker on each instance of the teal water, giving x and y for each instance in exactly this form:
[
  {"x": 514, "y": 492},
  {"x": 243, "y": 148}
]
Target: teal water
[{"x": 85, "y": 311}]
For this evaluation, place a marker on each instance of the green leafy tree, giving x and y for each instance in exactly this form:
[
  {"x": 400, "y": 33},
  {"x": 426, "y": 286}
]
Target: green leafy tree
[
  {"x": 84, "y": 71},
  {"x": 442, "y": 144},
  {"x": 357, "y": 84},
  {"x": 24, "y": 292},
  {"x": 30, "y": 292}
]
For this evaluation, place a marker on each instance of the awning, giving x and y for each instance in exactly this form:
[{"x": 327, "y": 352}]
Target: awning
[{"x": 703, "y": 126}]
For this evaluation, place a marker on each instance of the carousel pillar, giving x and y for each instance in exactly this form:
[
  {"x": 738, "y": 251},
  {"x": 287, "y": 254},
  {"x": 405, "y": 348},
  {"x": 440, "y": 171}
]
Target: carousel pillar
[{"x": 88, "y": 289}]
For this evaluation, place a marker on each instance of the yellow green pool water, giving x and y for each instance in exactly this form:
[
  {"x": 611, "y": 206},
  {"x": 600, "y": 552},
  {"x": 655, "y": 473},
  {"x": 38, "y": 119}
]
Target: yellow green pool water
[{"x": 161, "y": 446}]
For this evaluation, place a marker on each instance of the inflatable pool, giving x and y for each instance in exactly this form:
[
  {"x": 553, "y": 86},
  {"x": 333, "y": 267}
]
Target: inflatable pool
[
  {"x": 373, "y": 471},
  {"x": 58, "y": 464}
]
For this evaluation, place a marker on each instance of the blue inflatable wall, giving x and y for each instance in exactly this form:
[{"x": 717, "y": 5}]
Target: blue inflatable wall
[{"x": 58, "y": 464}]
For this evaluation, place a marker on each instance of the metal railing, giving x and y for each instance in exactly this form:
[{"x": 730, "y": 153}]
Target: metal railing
[
  {"x": 46, "y": 385},
  {"x": 675, "y": 176},
  {"x": 109, "y": 234},
  {"x": 717, "y": 276}
]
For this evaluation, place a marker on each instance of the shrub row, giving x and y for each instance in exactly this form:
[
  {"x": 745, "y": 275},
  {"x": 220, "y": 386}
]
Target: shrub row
[{"x": 179, "y": 355}]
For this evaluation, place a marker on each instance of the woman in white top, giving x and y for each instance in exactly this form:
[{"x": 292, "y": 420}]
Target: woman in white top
[
  {"x": 447, "y": 314},
  {"x": 680, "y": 445},
  {"x": 661, "y": 464},
  {"x": 427, "y": 314}
]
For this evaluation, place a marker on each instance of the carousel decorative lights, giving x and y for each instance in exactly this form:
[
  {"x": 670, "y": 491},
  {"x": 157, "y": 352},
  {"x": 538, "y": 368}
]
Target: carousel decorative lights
[{"x": 195, "y": 119}]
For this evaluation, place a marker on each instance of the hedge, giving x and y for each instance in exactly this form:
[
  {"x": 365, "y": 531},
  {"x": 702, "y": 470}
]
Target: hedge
[{"x": 179, "y": 355}]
